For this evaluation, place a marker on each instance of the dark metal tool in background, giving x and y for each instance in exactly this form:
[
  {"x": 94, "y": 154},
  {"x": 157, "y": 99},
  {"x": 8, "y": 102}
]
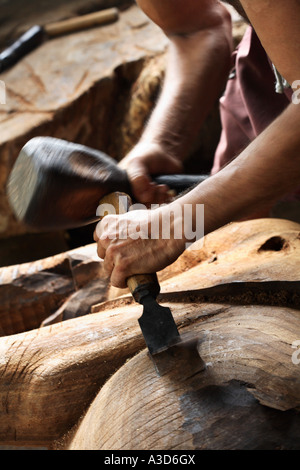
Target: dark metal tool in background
[
  {"x": 36, "y": 35},
  {"x": 57, "y": 185}
]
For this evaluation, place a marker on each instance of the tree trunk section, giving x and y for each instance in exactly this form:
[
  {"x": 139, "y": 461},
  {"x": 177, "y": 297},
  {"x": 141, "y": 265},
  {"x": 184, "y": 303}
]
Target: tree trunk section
[
  {"x": 53, "y": 376},
  {"x": 246, "y": 398}
]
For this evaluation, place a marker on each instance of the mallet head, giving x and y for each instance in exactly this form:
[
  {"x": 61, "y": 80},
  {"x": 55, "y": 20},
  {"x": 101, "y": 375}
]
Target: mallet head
[{"x": 56, "y": 184}]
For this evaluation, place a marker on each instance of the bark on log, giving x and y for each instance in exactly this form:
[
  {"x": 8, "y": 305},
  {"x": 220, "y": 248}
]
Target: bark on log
[{"x": 50, "y": 376}]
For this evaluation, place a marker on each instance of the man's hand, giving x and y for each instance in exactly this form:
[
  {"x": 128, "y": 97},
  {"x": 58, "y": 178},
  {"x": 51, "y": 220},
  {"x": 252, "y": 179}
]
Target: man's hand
[
  {"x": 144, "y": 161},
  {"x": 132, "y": 244},
  {"x": 199, "y": 60}
]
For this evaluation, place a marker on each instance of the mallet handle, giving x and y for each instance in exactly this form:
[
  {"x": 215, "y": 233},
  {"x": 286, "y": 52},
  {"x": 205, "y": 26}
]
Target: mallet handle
[{"x": 81, "y": 22}]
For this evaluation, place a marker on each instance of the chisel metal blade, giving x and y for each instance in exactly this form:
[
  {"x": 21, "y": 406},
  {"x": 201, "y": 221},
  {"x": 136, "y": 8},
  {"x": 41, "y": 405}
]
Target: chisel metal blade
[
  {"x": 169, "y": 351},
  {"x": 181, "y": 360},
  {"x": 158, "y": 326}
]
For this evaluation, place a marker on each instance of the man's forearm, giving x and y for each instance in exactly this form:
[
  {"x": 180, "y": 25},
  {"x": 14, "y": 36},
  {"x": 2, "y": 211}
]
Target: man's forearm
[
  {"x": 266, "y": 170},
  {"x": 197, "y": 70}
]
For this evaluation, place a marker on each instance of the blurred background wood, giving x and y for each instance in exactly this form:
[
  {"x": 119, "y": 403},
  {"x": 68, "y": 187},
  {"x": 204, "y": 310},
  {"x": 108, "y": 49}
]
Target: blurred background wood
[{"x": 51, "y": 289}]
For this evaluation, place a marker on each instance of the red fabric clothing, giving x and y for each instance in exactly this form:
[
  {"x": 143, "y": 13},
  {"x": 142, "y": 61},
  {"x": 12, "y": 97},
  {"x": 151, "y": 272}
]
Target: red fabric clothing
[{"x": 250, "y": 102}]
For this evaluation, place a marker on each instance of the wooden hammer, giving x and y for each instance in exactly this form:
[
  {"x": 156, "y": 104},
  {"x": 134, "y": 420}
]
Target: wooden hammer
[{"x": 57, "y": 185}]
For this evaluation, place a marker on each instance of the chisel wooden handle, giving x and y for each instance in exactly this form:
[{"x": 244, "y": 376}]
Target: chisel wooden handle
[
  {"x": 140, "y": 285},
  {"x": 82, "y": 22}
]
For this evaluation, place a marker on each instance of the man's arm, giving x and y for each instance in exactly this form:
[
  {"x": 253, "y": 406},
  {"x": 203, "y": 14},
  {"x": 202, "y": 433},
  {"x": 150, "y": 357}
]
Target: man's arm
[
  {"x": 198, "y": 64},
  {"x": 277, "y": 23},
  {"x": 266, "y": 170},
  {"x": 270, "y": 167}
]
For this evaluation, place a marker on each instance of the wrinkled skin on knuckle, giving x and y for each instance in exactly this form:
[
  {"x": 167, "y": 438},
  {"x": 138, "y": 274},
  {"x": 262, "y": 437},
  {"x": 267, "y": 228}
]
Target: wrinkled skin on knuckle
[{"x": 120, "y": 273}]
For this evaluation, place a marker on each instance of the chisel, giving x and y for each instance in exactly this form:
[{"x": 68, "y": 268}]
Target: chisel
[
  {"x": 55, "y": 184},
  {"x": 168, "y": 350}
]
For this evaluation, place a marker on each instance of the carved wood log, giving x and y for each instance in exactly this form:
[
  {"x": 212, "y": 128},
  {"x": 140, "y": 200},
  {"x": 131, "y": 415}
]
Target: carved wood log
[
  {"x": 50, "y": 376},
  {"x": 48, "y": 290},
  {"x": 261, "y": 249},
  {"x": 247, "y": 351}
]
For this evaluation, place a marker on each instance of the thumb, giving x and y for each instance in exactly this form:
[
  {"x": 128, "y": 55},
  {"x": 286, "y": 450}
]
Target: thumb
[{"x": 142, "y": 186}]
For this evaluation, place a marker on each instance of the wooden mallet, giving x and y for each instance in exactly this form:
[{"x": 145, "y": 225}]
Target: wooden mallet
[{"x": 57, "y": 185}]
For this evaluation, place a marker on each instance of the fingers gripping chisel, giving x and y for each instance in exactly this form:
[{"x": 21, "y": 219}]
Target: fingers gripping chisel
[
  {"x": 167, "y": 348},
  {"x": 56, "y": 184}
]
